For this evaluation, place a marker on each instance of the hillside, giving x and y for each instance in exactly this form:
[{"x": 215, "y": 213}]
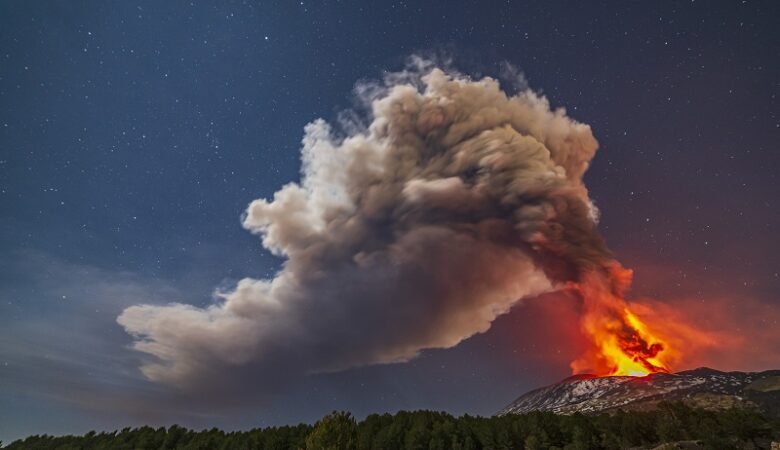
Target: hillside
[{"x": 703, "y": 388}]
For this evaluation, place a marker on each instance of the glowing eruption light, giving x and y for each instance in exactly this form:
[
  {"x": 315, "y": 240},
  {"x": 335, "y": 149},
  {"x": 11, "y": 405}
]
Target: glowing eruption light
[
  {"x": 414, "y": 228},
  {"x": 621, "y": 344}
]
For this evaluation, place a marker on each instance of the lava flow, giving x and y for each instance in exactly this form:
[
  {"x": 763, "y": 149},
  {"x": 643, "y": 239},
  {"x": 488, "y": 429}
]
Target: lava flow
[{"x": 621, "y": 344}]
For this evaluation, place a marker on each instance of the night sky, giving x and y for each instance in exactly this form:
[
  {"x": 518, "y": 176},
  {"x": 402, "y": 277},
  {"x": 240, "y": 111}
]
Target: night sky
[{"x": 133, "y": 135}]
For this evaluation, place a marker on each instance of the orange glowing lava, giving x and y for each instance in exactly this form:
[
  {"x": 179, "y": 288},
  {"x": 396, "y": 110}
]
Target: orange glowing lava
[
  {"x": 621, "y": 344},
  {"x": 629, "y": 348}
]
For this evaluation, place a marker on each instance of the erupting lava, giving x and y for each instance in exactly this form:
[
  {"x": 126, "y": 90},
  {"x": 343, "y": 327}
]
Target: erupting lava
[{"x": 621, "y": 344}]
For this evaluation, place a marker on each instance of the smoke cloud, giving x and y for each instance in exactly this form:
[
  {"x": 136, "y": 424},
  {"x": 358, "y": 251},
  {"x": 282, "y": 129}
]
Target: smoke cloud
[{"x": 453, "y": 203}]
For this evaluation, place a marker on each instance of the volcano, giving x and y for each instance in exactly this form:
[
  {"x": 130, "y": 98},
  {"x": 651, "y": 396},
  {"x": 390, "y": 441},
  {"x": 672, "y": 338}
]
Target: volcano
[{"x": 704, "y": 388}]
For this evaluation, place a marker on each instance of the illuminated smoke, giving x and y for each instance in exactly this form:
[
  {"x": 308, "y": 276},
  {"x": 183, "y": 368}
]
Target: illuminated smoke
[{"x": 414, "y": 232}]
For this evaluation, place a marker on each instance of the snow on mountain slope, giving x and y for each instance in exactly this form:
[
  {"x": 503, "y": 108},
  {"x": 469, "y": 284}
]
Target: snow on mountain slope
[{"x": 702, "y": 387}]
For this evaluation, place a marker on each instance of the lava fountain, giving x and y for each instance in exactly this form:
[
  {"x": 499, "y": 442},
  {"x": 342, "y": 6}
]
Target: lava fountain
[{"x": 620, "y": 342}]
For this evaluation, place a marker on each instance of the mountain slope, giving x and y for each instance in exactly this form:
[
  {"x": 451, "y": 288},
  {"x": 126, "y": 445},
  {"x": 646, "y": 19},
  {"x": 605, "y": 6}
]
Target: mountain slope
[{"x": 703, "y": 387}]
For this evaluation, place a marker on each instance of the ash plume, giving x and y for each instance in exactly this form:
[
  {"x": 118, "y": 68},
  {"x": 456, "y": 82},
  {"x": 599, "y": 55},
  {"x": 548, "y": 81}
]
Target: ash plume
[{"x": 453, "y": 203}]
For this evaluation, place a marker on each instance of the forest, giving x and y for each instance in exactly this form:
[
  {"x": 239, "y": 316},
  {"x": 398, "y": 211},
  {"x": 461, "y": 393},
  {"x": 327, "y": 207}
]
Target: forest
[{"x": 421, "y": 430}]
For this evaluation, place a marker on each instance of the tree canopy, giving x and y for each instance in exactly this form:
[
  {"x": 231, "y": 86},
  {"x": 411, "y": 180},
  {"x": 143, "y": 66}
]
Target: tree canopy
[{"x": 422, "y": 430}]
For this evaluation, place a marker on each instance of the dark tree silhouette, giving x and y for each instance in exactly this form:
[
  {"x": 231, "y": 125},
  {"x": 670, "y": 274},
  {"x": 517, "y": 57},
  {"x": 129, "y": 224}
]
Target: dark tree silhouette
[{"x": 428, "y": 430}]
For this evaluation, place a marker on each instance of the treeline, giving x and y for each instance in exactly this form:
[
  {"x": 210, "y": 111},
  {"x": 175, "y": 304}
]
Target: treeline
[{"x": 421, "y": 430}]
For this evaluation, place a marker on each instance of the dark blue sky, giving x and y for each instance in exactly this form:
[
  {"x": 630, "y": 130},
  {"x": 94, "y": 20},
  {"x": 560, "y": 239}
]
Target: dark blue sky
[{"x": 134, "y": 134}]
